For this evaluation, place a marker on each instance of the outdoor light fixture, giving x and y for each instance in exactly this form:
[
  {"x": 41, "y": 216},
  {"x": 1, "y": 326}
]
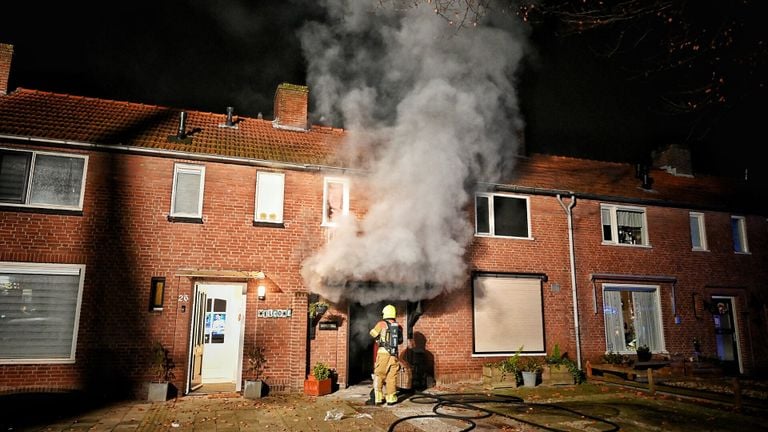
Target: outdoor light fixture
[{"x": 262, "y": 292}]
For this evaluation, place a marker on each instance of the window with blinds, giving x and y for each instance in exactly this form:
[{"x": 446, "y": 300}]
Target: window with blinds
[
  {"x": 42, "y": 179},
  {"x": 507, "y": 314},
  {"x": 39, "y": 312},
  {"x": 187, "y": 195}
]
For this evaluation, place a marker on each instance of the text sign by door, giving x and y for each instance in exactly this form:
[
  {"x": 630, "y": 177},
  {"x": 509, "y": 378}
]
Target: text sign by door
[{"x": 274, "y": 313}]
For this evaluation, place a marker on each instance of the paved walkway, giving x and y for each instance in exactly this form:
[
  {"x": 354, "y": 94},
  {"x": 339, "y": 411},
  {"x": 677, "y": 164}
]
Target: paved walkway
[{"x": 594, "y": 407}]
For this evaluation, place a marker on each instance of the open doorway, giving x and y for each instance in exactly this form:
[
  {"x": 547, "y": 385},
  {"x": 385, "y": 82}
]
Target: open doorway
[{"x": 362, "y": 318}]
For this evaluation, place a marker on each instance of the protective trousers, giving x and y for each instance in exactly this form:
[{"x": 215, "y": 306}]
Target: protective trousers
[{"x": 385, "y": 369}]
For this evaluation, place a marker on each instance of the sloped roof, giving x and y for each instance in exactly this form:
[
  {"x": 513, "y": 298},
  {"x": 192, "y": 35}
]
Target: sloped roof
[{"x": 37, "y": 114}]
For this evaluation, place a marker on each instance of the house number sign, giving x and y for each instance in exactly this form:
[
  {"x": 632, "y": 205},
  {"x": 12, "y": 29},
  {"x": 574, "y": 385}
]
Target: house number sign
[{"x": 274, "y": 313}]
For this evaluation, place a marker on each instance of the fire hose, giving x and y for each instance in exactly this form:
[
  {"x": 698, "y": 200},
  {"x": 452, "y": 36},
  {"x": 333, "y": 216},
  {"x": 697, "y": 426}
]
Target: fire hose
[{"x": 471, "y": 401}]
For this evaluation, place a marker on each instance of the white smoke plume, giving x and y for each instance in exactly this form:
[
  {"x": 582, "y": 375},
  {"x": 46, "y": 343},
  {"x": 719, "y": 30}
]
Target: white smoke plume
[{"x": 429, "y": 110}]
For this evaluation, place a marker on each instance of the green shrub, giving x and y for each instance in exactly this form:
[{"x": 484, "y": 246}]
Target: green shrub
[{"x": 321, "y": 371}]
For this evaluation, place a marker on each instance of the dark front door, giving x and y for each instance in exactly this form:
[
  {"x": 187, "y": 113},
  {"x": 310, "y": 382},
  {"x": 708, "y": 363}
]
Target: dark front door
[
  {"x": 362, "y": 318},
  {"x": 726, "y": 335}
]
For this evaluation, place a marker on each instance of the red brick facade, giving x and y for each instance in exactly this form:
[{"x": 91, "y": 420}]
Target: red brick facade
[{"x": 124, "y": 238}]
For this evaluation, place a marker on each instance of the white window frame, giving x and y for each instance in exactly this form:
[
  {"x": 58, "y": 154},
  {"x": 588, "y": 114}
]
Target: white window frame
[
  {"x": 659, "y": 321},
  {"x": 345, "y": 196},
  {"x": 53, "y": 269},
  {"x": 507, "y": 312},
  {"x": 491, "y": 217},
  {"x": 697, "y": 222},
  {"x": 188, "y": 168},
  {"x": 612, "y": 208},
  {"x": 741, "y": 225},
  {"x": 262, "y": 192},
  {"x": 30, "y": 178}
]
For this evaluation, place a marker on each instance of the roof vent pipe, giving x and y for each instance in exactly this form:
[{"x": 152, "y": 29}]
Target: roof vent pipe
[
  {"x": 182, "y": 133},
  {"x": 230, "y": 111}
]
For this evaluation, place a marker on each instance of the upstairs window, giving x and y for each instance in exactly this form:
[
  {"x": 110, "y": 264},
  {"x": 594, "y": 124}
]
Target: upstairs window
[
  {"x": 698, "y": 232},
  {"x": 41, "y": 179},
  {"x": 502, "y": 216},
  {"x": 739, "y": 230},
  {"x": 269, "y": 197},
  {"x": 187, "y": 195},
  {"x": 335, "y": 200},
  {"x": 624, "y": 225}
]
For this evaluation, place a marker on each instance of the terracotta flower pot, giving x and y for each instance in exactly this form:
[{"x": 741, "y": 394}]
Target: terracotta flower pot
[{"x": 313, "y": 387}]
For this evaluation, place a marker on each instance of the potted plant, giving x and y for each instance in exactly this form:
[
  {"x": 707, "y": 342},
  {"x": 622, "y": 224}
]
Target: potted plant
[
  {"x": 557, "y": 368},
  {"x": 643, "y": 353},
  {"x": 162, "y": 368},
  {"x": 254, "y": 386},
  {"x": 530, "y": 370},
  {"x": 317, "y": 309},
  {"x": 318, "y": 383}
]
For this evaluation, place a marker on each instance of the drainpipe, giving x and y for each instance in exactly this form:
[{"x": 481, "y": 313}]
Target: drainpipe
[{"x": 568, "y": 212}]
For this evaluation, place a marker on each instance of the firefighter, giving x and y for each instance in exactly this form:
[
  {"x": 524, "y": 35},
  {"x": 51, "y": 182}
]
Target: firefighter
[{"x": 388, "y": 334}]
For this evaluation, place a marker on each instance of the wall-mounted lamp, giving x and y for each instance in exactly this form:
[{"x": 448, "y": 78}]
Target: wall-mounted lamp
[{"x": 261, "y": 291}]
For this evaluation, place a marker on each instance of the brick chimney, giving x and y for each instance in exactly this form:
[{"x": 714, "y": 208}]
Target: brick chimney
[
  {"x": 6, "y": 53},
  {"x": 674, "y": 159},
  {"x": 291, "y": 110}
]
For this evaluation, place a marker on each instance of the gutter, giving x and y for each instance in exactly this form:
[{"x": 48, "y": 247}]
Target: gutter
[
  {"x": 147, "y": 151},
  {"x": 572, "y": 256}
]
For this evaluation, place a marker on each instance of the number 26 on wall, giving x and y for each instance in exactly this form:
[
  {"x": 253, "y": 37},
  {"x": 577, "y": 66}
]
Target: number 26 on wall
[{"x": 183, "y": 298}]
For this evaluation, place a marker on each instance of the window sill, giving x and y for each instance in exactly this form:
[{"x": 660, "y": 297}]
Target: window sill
[
  {"x": 502, "y": 237},
  {"x": 42, "y": 210},
  {"x": 185, "y": 219},
  {"x": 627, "y": 245},
  {"x": 269, "y": 224}
]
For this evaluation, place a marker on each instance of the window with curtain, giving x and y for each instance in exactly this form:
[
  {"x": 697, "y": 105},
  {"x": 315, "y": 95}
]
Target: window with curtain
[
  {"x": 507, "y": 314},
  {"x": 269, "y": 197},
  {"x": 39, "y": 312},
  {"x": 624, "y": 225},
  {"x": 335, "y": 200},
  {"x": 739, "y": 232},
  {"x": 698, "y": 232},
  {"x": 501, "y": 215},
  {"x": 42, "y": 179},
  {"x": 187, "y": 195},
  {"x": 632, "y": 318}
]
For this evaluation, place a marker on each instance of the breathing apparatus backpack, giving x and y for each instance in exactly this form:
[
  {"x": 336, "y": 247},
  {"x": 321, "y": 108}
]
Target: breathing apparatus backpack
[{"x": 392, "y": 337}]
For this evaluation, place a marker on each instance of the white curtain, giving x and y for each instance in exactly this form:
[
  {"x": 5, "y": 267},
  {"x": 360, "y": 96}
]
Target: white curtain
[
  {"x": 629, "y": 219},
  {"x": 647, "y": 320},
  {"x": 614, "y": 324}
]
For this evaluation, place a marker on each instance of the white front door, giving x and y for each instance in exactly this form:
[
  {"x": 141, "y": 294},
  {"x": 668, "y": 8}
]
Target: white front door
[{"x": 224, "y": 313}]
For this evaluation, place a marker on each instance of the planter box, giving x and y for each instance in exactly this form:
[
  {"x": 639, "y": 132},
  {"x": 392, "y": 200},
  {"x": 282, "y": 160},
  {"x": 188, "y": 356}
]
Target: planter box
[
  {"x": 493, "y": 378},
  {"x": 556, "y": 375},
  {"x": 253, "y": 389},
  {"x": 313, "y": 387},
  {"x": 158, "y": 392}
]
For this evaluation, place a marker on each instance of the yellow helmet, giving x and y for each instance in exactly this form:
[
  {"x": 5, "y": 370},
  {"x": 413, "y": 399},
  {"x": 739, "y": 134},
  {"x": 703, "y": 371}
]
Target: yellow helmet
[{"x": 388, "y": 312}]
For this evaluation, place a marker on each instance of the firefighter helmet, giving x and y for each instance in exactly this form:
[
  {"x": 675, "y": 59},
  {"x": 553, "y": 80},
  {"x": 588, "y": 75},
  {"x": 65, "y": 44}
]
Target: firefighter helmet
[{"x": 388, "y": 312}]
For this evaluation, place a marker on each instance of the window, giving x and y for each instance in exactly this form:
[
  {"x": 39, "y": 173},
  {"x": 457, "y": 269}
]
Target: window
[
  {"x": 623, "y": 225},
  {"x": 39, "y": 312},
  {"x": 269, "y": 197},
  {"x": 44, "y": 180},
  {"x": 739, "y": 230},
  {"x": 632, "y": 318},
  {"x": 187, "y": 195},
  {"x": 502, "y": 216},
  {"x": 507, "y": 314},
  {"x": 335, "y": 200},
  {"x": 698, "y": 232}
]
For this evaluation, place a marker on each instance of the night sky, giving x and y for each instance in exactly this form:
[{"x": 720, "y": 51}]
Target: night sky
[{"x": 207, "y": 55}]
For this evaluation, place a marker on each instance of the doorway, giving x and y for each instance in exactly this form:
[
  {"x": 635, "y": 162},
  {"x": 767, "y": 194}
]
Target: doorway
[
  {"x": 215, "y": 359},
  {"x": 362, "y": 318},
  {"x": 726, "y": 334}
]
